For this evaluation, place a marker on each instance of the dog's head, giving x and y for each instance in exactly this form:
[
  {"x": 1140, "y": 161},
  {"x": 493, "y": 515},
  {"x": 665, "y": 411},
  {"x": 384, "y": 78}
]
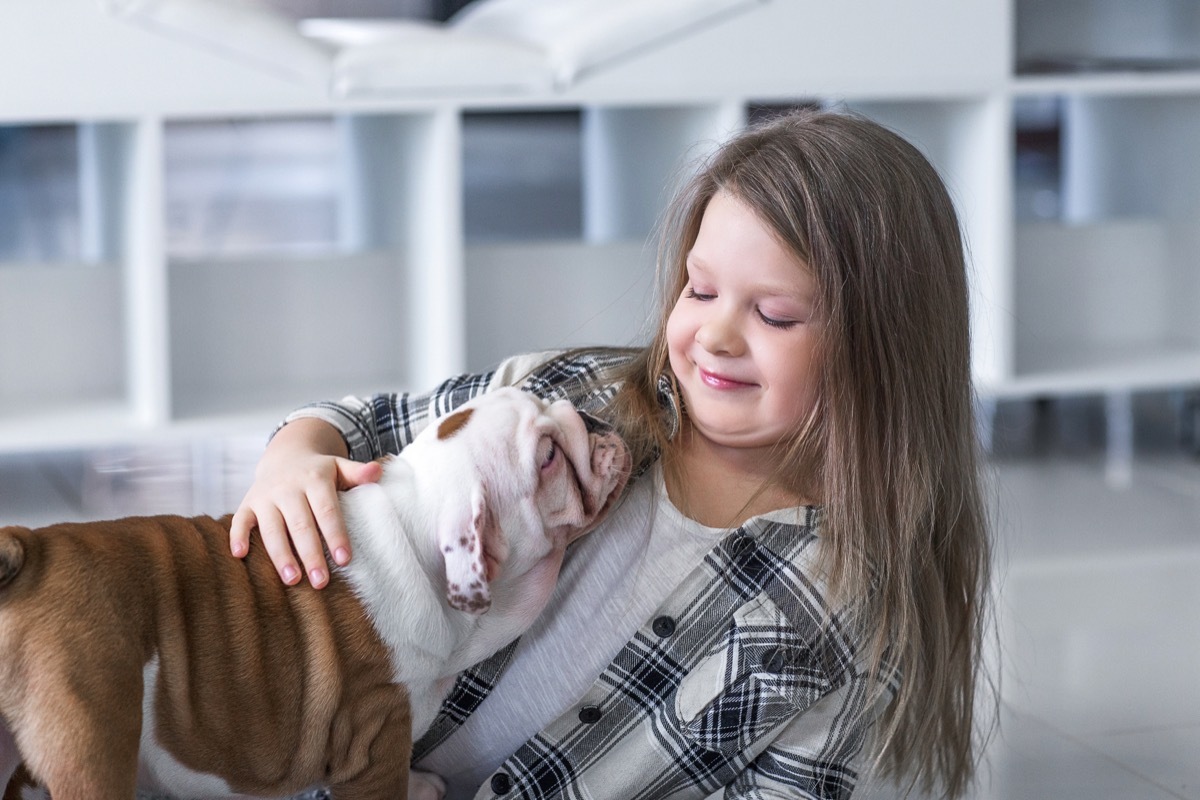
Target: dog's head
[{"x": 522, "y": 479}]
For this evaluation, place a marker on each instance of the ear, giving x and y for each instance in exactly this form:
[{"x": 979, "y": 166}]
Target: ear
[
  {"x": 461, "y": 537},
  {"x": 454, "y": 423}
]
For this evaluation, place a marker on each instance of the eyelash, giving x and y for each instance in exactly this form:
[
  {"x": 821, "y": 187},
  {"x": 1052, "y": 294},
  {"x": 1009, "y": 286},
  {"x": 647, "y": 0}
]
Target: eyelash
[{"x": 781, "y": 324}]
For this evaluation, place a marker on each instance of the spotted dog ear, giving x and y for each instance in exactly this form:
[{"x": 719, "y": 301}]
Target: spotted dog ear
[{"x": 461, "y": 538}]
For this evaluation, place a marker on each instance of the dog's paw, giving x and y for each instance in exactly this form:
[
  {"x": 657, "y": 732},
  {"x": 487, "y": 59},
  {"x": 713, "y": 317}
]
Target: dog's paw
[{"x": 425, "y": 786}]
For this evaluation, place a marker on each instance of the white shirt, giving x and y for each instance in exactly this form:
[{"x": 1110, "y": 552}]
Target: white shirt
[{"x": 611, "y": 583}]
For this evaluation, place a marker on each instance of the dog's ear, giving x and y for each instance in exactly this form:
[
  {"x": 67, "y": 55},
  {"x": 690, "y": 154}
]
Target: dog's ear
[{"x": 461, "y": 538}]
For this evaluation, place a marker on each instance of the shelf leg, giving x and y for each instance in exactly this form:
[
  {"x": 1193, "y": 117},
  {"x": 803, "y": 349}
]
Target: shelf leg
[
  {"x": 402, "y": 192},
  {"x": 101, "y": 150},
  {"x": 207, "y": 476},
  {"x": 1187, "y": 402},
  {"x": 985, "y": 423},
  {"x": 634, "y": 158},
  {"x": 1118, "y": 417}
]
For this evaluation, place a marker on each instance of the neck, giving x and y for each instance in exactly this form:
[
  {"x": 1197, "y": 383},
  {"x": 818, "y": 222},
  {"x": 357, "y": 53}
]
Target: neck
[{"x": 723, "y": 486}]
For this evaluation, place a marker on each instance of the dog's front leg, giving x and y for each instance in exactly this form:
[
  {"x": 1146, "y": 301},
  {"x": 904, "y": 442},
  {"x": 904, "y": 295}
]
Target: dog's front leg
[{"x": 425, "y": 786}]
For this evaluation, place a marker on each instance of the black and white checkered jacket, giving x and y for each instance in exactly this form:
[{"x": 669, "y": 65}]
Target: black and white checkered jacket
[{"x": 745, "y": 683}]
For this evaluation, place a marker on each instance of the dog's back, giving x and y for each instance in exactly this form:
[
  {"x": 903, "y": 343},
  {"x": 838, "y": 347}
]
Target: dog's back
[
  {"x": 274, "y": 684},
  {"x": 271, "y": 688}
]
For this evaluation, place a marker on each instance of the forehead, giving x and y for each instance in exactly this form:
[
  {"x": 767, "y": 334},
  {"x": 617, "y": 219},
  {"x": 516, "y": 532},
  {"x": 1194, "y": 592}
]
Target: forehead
[
  {"x": 734, "y": 242},
  {"x": 495, "y": 408},
  {"x": 501, "y": 411}
]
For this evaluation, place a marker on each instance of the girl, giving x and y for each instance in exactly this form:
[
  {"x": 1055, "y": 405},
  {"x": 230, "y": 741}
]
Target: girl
[{"x": 793, "y": 589}]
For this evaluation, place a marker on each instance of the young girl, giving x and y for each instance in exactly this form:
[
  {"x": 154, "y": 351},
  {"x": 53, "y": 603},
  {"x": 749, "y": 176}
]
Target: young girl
[{"x": 793, "y": 588}]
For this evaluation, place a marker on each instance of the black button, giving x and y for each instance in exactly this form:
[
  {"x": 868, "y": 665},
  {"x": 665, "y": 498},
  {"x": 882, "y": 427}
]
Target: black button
[
  {"x": 663, "y": 627},
  {"x": 501, "y": 783},
  {"x": 775, "y": 660},
  {"x": 589, "y": 715}
]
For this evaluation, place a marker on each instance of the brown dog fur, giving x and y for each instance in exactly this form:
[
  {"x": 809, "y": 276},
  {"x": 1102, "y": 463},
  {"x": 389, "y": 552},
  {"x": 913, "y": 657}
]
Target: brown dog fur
[{"x": 314, "y": 702}]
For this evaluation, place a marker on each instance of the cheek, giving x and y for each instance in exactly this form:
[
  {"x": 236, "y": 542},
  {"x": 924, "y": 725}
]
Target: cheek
[
  {"x": 679, "y": 333},
  {"x": 802, "y": 379}
]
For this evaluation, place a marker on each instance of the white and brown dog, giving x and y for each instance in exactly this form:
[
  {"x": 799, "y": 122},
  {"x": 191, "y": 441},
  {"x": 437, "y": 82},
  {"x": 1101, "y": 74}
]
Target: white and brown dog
[{"x": 139, "y": 652}]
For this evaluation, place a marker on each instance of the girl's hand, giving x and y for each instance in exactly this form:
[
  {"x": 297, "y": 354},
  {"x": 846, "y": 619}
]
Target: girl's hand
[{"x": 293, "y": 501}]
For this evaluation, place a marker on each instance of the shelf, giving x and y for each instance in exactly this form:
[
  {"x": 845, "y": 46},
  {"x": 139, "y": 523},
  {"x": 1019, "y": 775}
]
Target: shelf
[
  {"x": 1105, "y": 65},
  {"x": 1082, "y": 370},
  {"x": 82, "y": 425},
  {"x": 61, "y": 334},
  {"x": 246, "y": 332},
  {"x": 587, "y": 294},
  {"x": 158, "y": 338},
  {"x": 1185, "y": 82},
  {"x": 1106, "y": 45},
  {"x": 1104, "y": 306}
]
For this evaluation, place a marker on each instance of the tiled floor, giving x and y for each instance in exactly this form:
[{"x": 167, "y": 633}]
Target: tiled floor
[
  {"x": 1099, "y": 603},
  {"x": 1100, "y": 631}
]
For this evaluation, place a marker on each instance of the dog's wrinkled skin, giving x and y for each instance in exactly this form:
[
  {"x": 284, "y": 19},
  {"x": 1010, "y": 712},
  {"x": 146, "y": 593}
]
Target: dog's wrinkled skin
[{"x": 141, "y": 646}]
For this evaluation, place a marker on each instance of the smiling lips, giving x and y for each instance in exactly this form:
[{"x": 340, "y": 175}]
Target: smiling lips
[{"x": 716, "y": 381}]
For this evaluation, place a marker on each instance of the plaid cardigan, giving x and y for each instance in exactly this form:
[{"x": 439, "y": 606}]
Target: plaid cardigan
[{"x": 745, "y": 683}]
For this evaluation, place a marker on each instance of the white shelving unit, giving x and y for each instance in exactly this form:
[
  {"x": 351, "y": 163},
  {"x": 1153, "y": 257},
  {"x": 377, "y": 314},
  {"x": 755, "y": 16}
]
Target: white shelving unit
[
  {"x": 1104, "y": 296},
  {"x": 139, "y": 343}
]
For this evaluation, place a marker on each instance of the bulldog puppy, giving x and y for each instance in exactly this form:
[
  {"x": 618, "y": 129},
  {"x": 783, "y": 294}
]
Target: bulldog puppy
[{"x": 141, "y": 646}]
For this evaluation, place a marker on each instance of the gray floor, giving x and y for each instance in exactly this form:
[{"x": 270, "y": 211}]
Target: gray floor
[
  {"x": 1099, "y": 600},
  {"x": 1100, "y": 631}
]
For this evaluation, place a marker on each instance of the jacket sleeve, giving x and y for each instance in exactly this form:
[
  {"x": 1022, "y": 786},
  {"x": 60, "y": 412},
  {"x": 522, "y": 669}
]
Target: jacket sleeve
[{"x": 384, "y": 424}]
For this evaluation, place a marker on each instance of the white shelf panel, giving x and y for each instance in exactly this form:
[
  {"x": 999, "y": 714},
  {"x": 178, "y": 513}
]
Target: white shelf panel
[
  {"x": 71, "y": 425},
  {"x": 1112, "y": 83},
  {"x": 1083, "y": 370},
  {"x": 60, "y": 333},
  {"x": 253, "y": 333},
  {"x": 585, "y": 295},
  {"x": 267, "y": 406}
]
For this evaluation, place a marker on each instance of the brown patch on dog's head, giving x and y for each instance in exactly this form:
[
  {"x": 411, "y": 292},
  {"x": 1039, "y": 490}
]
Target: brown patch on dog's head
[{"x": 453, "y": 423}]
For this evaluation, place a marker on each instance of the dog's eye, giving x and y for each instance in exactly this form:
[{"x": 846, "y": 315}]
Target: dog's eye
[{"x": 549, "y": 452}]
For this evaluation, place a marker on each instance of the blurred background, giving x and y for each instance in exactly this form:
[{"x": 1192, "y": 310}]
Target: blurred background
[{"x": 213, "y": 211}]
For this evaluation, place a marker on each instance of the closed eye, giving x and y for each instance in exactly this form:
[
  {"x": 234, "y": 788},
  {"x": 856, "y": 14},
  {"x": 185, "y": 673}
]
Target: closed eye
[
  {"x": 692, "y": 294},
  {"x": 782, "y": 324},
  {"x": 549, "y": 452}
]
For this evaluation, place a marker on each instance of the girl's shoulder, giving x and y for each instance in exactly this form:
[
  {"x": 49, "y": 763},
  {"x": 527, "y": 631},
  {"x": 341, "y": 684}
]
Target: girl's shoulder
[{"x": 586, "y": 376}]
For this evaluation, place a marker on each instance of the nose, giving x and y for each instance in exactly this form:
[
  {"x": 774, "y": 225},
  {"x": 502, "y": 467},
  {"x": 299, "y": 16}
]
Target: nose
[{"x": 720, "y": 334}]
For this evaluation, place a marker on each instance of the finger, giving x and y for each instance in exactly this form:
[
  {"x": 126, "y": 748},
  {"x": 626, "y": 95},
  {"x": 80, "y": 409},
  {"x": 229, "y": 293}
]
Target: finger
[
  {"x": 239, "y": 531},
  {"x": 327, "y": 513},
  {"x": 355, "y": 473},
  {"x": 274, "y": 534},
  {"x": 306, "y": 541}
]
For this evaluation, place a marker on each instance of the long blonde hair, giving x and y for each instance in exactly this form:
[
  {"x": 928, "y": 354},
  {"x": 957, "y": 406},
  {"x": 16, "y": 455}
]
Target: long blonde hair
[{"x": 891, "y": 450}]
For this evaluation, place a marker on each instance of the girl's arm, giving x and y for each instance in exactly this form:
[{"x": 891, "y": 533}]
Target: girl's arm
[
  {"x": 327, "y": 447},
  {"x": 293, "y": 500}
]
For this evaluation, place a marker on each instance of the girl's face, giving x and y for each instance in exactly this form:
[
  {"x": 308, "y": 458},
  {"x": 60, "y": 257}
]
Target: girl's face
[{"x": 741, "y": 336}]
